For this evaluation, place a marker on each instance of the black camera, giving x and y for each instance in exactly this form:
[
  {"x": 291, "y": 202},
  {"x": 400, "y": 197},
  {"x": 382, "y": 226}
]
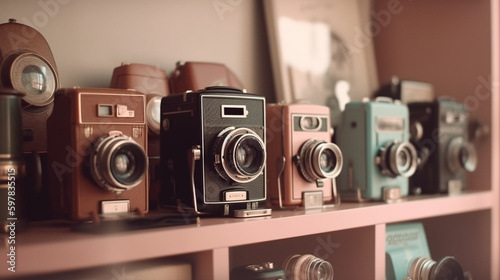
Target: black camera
[
  {"x": 439, "y": 131},
  {"x": 265, "y": 271},
  {"x": 213, "y": 151}
]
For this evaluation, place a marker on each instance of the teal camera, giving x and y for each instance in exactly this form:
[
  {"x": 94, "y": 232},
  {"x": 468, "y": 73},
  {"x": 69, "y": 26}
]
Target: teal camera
[{"x": 378, "y": 158}]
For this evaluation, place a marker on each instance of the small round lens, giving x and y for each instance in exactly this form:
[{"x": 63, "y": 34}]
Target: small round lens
[
  {"x": 241, "y": 154},
  {"x": 397, "y": 159},
  {"x": 248, "y": 155},
  {"x": 328, "y": 161},
  {"x": 34, "y": 80},
  {"x": 118, "y": 163}
]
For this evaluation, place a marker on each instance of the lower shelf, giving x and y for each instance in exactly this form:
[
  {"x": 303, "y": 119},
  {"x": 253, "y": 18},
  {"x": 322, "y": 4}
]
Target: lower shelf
[{"x": 50, "y": 247}]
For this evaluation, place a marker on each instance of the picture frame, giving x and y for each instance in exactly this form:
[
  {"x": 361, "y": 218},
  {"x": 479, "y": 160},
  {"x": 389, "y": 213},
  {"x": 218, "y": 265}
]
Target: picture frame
[{"x": 322, "y": 51}]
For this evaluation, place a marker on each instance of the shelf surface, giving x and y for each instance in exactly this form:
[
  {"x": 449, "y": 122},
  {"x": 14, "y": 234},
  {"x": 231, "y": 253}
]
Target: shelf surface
[{"x": 49, "y": 247}]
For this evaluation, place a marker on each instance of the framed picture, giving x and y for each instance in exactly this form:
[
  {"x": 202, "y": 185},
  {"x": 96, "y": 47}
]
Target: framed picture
[{"x": 322, "y": 51}]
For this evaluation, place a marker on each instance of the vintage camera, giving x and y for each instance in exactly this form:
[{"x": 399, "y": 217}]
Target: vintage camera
[
  {"x": 213, "y": 151},
  {"x": 408, "y": 256},
  {"x": 302, "y": 162},
  {"x": 407, "y": 91},
  {"x": 98, "y": 153},
  {"x": 439, "y": 130},
  {"x": 307, "y": 267},
  {"x": 193, "y": 75},
  {"x": 378, "y": 157},
  {"x": 153, "y": 82},
  {"x": 265, "y": 271},
  {"x": 27, "y": 65}
]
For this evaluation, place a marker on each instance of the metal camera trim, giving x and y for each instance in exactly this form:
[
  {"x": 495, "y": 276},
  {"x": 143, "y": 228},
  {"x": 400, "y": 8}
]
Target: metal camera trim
[
  {"x": 387, "y": 159},
  {"x": 309, "y": 157},
  {"x": 454, "y": 155},
  {"x": 102, "y": 152},
  {"x": 226, "y": 167},
  {"x": 16, "y": 69}
]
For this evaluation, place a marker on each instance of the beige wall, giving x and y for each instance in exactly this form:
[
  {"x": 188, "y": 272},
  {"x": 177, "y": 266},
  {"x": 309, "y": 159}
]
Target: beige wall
[{"x": 90, "y": 37}]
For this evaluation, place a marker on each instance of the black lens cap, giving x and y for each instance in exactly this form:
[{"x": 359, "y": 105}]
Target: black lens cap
[{"x": 447, "y": 269}]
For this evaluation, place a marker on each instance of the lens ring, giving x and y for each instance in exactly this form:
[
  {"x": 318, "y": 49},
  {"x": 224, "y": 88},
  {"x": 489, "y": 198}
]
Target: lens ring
[
  {"x": 228, "y": 160},
  {"x": 309, "y": 160},
  {"x": 33, "y": 75},
  {"x": 109, "y": 163},
  {"x": 448, "y": 268},
  {"x": 318, "y": 158},
  {"x": 153, "y": 113},
  {"x": 389, "y": 159},
  {"x": 461, "y": 156}
]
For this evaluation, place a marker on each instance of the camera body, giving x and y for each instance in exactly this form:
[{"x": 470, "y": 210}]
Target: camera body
[
  {"x": 300, "y": 156},
  {"x": 378, "y": 159},
  {"x": 213, "y": 150},
  {"x": 439, "y": 129},
  {"x": 98, "y": 153},
  {"x": 27, "y": 65},
  {"x": 265, "y": 271},
  {"x": 192, "y": 75},
  {"x": 152, "y": 81}
]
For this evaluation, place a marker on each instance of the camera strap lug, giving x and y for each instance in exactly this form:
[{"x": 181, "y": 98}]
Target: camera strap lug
[{"x": 193, "y": 155}]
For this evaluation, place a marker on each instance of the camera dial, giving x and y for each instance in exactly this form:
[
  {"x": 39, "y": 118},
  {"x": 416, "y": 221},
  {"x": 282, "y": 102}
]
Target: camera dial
[
  {"x": 33, "y": 75},
  {"x": 397, "y": 159},
  {"x": 318, "y": 159},
  {"x": 240, "y": 154},
  {"x": 461, "y": 155},
  {"x": 117, "y": 163}
]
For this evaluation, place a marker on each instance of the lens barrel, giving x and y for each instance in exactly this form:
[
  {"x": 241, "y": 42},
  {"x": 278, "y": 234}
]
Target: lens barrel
[
  {"x": 318, "y": 160},
  {"x": 240, "y": 154},
  {"x": 118, "y": 163}
]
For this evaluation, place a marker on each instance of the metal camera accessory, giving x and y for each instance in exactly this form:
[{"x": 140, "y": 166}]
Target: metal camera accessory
[
  {"x": 11, "y": 156},
  {"x": 378, "y": 157},
  {"x": 195, "y": 75},
  {"x": 302, "y": 161},
  {"x": 307, "y": 267},
  {"x": 97, "y": 152},
  {"x": 117, "y": 162},
  {"x": 218, "y": 163},
  {"x": 427, "y": 269},
  {"x": 264, "y": 271},
  {"x": 443, "y": 138}
]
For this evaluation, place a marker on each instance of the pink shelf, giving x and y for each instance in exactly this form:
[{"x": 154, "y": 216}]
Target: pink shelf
[{"x": 48, "y": 247}]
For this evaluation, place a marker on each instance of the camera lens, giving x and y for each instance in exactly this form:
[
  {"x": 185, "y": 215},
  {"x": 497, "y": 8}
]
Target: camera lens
[
  {"x": 241, "y": 153},
  {"x": 308, "y": 267},
  {"x": 397, "y": 159},
  {"x": 117, "y": 163},
  {"x": 461, "y": 155},
  {"x": 33, "y": 75},
  {"x": 427, "y": 269},
  {"x": 248, "y": 155},
  {"x": 318, "y": 159},
  {"x": 33, "y": 80}
]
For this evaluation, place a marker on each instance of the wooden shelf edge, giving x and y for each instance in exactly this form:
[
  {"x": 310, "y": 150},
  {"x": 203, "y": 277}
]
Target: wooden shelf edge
[{"x": 49, "y": 249}]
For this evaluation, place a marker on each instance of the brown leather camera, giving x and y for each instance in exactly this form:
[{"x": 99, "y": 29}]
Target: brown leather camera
[
  {"x": 97, "y": 149},
  {"x": 199, "y": 75},
  {"x": 152, "y": 81},
  {"x": 28, "y": 66}
]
